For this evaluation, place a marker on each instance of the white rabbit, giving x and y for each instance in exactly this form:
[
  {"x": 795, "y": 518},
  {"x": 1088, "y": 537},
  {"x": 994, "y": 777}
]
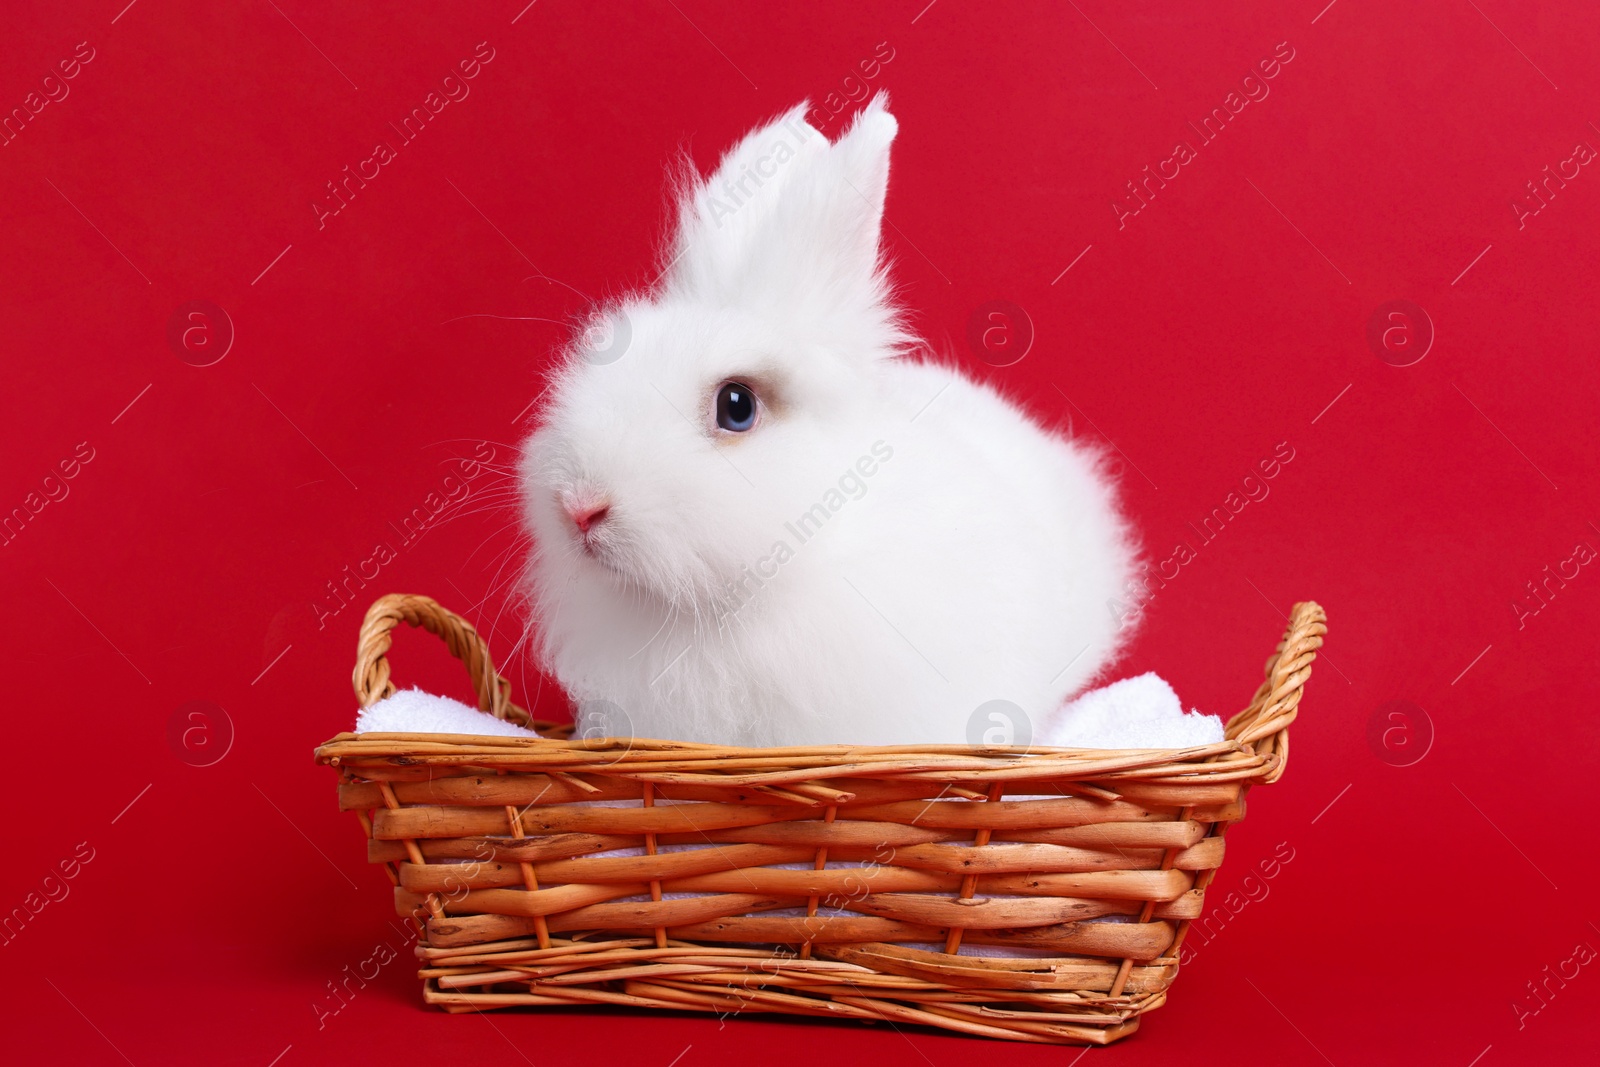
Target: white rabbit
[{"x": 758, "y": 520}]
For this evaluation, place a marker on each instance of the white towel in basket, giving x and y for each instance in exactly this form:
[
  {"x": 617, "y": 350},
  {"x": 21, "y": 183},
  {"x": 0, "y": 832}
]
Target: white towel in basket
[{"x": 1138, "y": 712}]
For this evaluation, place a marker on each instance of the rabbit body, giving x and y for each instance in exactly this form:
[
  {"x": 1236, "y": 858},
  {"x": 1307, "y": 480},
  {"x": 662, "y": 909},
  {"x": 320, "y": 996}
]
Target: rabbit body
[{"x": 887, "y": 547}]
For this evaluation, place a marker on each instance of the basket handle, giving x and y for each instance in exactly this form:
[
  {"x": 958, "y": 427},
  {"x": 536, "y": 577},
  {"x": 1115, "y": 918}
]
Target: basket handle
[
  {"x": 371, "y": 677},
  {"x": 1265, "y": 723}
]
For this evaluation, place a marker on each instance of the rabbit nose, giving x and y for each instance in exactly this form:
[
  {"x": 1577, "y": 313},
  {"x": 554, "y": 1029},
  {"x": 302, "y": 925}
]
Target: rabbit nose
[{"x": 586, "y": 515}]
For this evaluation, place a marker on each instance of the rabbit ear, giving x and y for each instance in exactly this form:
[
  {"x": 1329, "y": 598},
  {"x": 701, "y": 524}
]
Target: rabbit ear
[
  {"x": 789, "y": 222},
  {"x": 860, "y": 161}
]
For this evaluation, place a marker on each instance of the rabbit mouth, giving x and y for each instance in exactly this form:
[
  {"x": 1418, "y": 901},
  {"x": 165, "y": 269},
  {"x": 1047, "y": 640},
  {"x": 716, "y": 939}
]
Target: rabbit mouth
[
  {"x": 634, "y": 571},
  {"x": 595, "y": 547},
  {"x": 601, "y": 551}
]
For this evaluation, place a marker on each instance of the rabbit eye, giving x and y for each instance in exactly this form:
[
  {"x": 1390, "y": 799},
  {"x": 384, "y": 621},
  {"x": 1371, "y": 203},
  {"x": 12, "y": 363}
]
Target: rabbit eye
[{"x": 736, "y": 407}]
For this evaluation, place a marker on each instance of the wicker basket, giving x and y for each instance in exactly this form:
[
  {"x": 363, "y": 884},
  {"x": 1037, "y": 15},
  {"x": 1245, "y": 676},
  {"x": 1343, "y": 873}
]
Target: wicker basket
[{"x": 810, "y": 873}]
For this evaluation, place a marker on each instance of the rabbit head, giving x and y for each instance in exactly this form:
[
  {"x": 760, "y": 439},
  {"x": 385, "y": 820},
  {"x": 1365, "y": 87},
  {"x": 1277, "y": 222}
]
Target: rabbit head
[{"x": 685, "y": 421}]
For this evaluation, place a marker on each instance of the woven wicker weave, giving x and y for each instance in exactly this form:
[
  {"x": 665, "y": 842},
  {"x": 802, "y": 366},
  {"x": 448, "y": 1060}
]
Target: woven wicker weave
[{"x": 492, "y": 851}]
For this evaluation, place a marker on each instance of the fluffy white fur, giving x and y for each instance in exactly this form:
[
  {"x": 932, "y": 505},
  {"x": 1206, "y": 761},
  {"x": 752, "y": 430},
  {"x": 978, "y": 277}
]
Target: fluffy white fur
[{"x": 975, "y": 562}]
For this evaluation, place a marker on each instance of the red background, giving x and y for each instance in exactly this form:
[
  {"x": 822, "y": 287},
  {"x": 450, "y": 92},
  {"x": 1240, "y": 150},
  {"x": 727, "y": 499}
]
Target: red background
[{"x": 186, "y": 559}]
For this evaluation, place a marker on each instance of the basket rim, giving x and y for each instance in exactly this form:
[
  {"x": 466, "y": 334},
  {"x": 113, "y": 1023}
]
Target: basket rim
[
  {"x": 623, "y": 755},
  {"x": 1255, "y": 747}
]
